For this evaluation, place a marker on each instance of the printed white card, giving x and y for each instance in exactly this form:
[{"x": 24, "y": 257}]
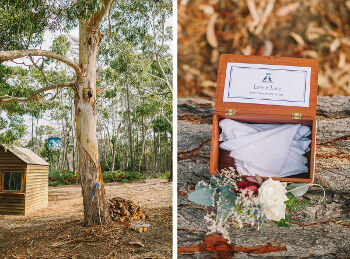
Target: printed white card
[{"x": 267, "y": 84}]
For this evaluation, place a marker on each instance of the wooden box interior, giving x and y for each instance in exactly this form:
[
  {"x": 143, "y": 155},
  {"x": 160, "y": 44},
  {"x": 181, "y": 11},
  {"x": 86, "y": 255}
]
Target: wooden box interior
[
  {"x": 258, "y": 113},
  {"x": 216, "y": 158}
]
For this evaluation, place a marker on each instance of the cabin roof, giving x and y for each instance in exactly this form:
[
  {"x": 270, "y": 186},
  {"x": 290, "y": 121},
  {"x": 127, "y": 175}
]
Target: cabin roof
[{"x": 27, "y": 156}]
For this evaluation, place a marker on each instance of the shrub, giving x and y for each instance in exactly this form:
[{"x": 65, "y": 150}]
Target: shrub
[
  {"x": 54, "y": 184},
  {"x": 121, "y": 176},
  {"x": 165, "y": 175},
  {"x": 107, "y": 177},
  {"x": 57, "y": 178}
]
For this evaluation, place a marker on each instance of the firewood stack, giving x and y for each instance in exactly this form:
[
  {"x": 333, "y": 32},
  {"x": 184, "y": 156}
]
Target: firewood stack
[
  {"x": 125, "y": 210},
  {"x": 139, "y": 226}
]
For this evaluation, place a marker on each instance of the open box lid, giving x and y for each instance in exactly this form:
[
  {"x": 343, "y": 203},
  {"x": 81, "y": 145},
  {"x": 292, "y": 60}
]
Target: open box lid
[{"x": 260, "y": 85}]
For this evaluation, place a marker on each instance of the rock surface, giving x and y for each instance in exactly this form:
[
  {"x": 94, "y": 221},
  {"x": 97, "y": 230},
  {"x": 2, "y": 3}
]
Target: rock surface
[{"x": 323, "y": 230}]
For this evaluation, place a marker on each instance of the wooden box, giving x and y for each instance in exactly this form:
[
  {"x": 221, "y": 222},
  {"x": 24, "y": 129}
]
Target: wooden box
[{"x": 293, "y": 110}]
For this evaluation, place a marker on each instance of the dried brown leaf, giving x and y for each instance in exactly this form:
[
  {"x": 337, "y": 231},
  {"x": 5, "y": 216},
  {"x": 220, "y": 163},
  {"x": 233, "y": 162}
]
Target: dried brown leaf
[
  {"x": 298, "y": 39},
  {"x": 342, "y": 60},
  {"x": 211, "y": 37},
  {"x": 323, "y": 81},
  {"x": 214, "y": 56},
  {"x": 208, "y": 83},
  {"x": 254, "y": 14},
  {"x": 207, "y": 9},
  {"x": 334, "y": 45},
  {"x": 310, "y": 54},
  {"x": 266, "y": 14},
  {"x": 285, "y": 10}
]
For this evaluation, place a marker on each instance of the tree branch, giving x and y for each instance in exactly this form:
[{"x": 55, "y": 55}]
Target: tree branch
[
  {"x": 109, "y": 19},
  {"x": 165, "y": 117},
  {"x": 35, "y": 95},
  {"x": 163, "y": 74},
  {"x": 14, "y": 54},
  {"x": 157, "y": 77},
  {"x": 97, "y": 18},
  {"x": 157, "y": 53},
  {"x": 158, "y": 97},
  {"x": 40, "y": 70},
  {"x": 162, "y": 36},
  {"x": 20, "y": 63}
]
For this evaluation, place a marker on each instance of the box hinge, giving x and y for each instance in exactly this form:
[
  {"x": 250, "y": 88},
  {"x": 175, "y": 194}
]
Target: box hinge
[
  {"x": 297, "y": 116},
  {"x": 231, "y": 112}
]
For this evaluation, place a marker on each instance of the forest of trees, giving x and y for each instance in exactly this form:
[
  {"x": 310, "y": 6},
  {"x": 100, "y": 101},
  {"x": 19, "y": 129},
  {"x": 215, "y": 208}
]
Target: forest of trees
[
  {"x": 134, "y": 118},
  {"x": 106, "y": 90},
  {"x": 134, "y": 109}
]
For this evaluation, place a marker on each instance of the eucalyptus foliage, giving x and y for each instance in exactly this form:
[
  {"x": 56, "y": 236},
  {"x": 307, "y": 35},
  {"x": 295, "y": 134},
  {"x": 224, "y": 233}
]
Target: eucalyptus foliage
[
  {"x": 132, "y": 32},
  {"x": 24, "y": 22}
]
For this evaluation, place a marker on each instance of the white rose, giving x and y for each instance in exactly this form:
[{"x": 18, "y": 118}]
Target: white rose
[
  {"x": 272, "y": 195},
  {"x": 275, "y": 212}
]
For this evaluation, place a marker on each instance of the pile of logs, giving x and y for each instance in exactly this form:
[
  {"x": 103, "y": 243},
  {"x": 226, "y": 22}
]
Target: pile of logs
[
  {"x": 127, "y": 211},
  {"x": 139, "y": 226}
]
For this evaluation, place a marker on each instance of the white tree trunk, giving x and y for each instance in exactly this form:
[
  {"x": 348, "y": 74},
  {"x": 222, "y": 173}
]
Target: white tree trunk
[
  {"x": 95, "y": 203},
  {"x": 95, "y": 208}
]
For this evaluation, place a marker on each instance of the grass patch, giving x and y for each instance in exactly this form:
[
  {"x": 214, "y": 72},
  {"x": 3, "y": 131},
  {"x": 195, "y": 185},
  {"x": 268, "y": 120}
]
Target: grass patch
[
  {"x": 57, "y": 178},
  {"x": 165, "y": 175}
]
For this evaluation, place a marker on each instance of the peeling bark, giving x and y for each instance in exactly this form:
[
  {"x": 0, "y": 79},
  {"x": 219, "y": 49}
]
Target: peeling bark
[
  {"x": 193, "y": 152},
  {"x": 94, "y": 198}
]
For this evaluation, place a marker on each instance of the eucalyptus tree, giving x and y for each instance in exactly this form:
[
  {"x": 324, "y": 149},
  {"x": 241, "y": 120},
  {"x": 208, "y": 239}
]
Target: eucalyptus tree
[
  {"x": 148, "y": 31},
  {"x": 109, "y": 124},
  {"x": 145, "y": 25},
  {"x": 24, "y": 23},
  {"x": 128, "y": 72},
  {"x": 12, "y": 124}
]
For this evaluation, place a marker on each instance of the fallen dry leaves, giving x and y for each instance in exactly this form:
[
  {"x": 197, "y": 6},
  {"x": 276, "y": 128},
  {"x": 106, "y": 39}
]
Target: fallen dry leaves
[{"x": 292, "y": 28}]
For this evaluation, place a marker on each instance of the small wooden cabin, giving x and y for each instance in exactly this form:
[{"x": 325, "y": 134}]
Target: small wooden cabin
[{"x": 23, "y": 181}]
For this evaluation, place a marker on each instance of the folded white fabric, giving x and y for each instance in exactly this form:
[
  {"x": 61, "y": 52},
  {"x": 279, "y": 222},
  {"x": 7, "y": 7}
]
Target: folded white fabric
[{"x": 275, "y": 150}]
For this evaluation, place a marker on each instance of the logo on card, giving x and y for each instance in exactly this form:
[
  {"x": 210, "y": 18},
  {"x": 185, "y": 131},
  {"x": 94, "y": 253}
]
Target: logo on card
[{"x": 267, "y": 78}]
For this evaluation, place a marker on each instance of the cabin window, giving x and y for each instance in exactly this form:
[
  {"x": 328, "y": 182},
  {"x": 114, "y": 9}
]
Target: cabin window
[{"x": 12, "y": 181}]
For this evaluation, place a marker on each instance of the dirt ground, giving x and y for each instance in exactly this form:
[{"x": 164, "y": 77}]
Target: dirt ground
[{"x": 57, "y": 231}]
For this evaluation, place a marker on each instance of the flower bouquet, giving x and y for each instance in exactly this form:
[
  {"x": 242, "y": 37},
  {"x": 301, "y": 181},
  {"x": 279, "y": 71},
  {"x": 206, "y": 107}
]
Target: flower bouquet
[{"x": 247, "y": 200}]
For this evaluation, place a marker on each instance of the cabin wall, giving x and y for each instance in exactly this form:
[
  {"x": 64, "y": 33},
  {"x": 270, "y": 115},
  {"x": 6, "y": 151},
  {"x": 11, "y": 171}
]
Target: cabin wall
[
  {"x": 12, "y": 203},
  {"x": 36, "y": 190},
  {"x": 10, "y": 162}
]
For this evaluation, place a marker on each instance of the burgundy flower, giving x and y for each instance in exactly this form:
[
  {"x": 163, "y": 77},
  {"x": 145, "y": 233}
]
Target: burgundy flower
[{"x": 248, "y": 185}]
